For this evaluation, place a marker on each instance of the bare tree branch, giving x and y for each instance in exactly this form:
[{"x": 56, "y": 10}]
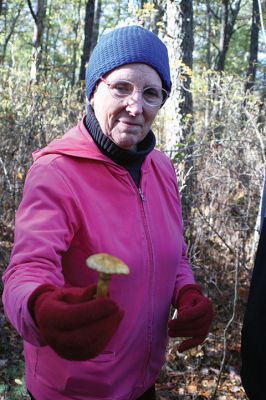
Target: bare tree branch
[
  {"x": 231, "y": 320},
  {"x": 34, "y": 16},
  {"x": 216, "y": 232}
]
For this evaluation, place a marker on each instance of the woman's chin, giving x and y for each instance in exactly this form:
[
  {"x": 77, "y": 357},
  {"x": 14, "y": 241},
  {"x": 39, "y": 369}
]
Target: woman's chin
[{"x": 126, "y": 142}]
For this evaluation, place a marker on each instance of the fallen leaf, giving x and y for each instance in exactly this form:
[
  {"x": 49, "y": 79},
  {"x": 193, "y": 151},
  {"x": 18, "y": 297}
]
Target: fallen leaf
[{"x": 191, "y": 389}]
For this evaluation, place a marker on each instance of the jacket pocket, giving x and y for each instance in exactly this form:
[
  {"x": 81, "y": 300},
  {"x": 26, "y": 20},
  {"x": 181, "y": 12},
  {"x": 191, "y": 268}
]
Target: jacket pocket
[
  {"x": 94, "y": 378},
  {"x": 47, "y": 364}
]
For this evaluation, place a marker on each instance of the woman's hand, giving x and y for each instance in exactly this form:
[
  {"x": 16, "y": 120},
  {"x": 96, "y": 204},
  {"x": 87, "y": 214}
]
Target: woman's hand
[
  {"x": 75, "y": 324},
  {"x": 195, "y": 314}
]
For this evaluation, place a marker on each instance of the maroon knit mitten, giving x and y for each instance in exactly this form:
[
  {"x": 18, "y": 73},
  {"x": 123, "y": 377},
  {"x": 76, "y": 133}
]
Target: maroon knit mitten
[
  {"x": 75, "y": 324},
  {"x": 195, "y": 314}
]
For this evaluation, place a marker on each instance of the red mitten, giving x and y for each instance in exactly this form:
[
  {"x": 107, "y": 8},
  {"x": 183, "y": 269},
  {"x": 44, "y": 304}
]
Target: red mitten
[
  {"x": 195, "y": 314},
  {"x": 75, "y": 324}
]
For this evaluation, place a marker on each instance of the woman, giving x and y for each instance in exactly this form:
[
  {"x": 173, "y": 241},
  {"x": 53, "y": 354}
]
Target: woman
[{"x": 103, "y": 188}]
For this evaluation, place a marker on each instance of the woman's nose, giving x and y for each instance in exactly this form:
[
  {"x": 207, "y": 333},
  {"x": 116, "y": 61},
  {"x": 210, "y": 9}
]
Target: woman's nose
[{"x": 135, "y": 103}]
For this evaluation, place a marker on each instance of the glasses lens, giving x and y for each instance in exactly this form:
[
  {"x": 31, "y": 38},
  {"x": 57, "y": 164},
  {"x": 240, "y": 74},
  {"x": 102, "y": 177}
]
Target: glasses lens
[
  {"x": 154, "y": 96},
  {"x": 165, "y": 95},
  {"x": 121, "y": 89}
]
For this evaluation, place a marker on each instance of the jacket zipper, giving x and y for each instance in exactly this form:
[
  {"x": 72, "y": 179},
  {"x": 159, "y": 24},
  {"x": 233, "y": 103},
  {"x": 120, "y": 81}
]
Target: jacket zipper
[
  {"x": 143, "y": 375},
  {"x": 141, "y": 194},
  {"x": 150, "y": 253}
]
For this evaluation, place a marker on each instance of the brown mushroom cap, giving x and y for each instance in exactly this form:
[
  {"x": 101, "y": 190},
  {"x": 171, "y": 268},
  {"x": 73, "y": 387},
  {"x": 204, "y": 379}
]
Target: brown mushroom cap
[{"x": 103, "y": 262}]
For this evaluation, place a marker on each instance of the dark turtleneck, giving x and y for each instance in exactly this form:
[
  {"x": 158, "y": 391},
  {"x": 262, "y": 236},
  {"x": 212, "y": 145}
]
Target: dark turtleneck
[{"x": 129, "y": 159}]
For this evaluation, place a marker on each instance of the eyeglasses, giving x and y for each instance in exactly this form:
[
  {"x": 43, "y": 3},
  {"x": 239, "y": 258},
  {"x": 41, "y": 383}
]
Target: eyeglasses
[{"x": 153, "y": 96}]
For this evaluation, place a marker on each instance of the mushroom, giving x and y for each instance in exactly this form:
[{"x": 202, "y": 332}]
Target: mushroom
[{"x": 106, "y": 265}]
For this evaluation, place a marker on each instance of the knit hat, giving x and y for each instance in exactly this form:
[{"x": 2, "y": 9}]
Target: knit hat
[{"x": 127, "y": 45}]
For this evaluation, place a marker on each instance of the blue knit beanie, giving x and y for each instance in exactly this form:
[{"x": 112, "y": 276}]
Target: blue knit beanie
[{"x": 127, "y": 45}]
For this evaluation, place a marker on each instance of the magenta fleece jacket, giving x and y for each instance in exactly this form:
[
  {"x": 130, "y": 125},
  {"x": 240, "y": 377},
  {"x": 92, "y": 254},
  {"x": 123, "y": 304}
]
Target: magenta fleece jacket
[{"x": 78, "y": 202}]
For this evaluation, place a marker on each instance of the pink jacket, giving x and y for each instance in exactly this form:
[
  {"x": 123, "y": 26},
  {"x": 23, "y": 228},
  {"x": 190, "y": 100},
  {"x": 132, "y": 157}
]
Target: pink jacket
[{"x": 78, "y": 202}]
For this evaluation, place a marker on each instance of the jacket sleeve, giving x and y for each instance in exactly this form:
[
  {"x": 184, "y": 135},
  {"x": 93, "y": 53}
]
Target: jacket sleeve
[{"x": 45, "y": 224}]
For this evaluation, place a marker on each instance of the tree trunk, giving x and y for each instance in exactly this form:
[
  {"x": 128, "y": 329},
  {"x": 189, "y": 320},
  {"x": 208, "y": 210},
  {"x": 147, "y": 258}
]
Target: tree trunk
[
  {"x": 76, "y": 25},
  {"x": 228, "y": 19},
  {"x": 96, "y": 24},
  {"x": 187, "y": 46},
  {"x": 224, "y": 35},
  {"x": 39, "y": 18},
  {"x": 91, "y": 33},
  {"x": 253, "y": 52},
  {"x": 208, "y": 54},
  {"x": 177, "y": 18},
  {"x": 11, "y": 31},
  {"x": 47, "y": 45},
  {"x": 178, "y": 36},
  {"x": 87, "y": 44}
]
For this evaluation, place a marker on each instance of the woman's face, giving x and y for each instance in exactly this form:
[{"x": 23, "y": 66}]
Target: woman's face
[{"x": 126, "y": 121}]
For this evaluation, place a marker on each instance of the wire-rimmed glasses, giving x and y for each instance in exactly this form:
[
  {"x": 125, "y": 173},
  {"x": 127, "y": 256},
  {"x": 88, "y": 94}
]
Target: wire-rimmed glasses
[{"x": 153, "y": 96}]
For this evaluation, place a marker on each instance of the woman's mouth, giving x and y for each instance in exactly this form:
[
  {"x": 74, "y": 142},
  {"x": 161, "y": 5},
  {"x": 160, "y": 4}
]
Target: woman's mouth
[{"x": 129, "y": 123}]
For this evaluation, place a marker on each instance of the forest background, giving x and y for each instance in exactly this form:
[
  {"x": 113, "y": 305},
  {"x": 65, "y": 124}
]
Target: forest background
[{"x": 212, "y": 126}]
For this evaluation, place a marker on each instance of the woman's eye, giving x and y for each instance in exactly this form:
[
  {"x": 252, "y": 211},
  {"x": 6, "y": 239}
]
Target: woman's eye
[
  {"x": 122, "y": 88},
  {"x": 152, "y": 93}
]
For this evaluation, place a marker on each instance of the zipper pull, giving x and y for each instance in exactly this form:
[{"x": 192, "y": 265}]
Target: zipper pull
[{"x": 141, "y": 194}]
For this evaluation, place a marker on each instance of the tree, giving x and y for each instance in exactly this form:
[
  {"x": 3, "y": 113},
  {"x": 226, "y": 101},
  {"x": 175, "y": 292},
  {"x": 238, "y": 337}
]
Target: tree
[
  {"x": 96, "y": 23},
  {"x": 222, "y": 30},
  {"x": 11, "y": 23},
  {"x": 254, "y": 41},
  {"x": 187, "y": 46},
  {"x": 76, "y": 24},
  {"x": 175, "y": 25},
  {"x": 228, "y": 19},
  {"x": 89, "y": 14},
  {"x": 39, "y": 18},
  {"x": 208, "y": 52},
  {"x": 91, "y": 32}
]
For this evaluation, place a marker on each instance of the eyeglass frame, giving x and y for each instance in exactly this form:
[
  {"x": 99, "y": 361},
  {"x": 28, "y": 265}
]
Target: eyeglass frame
[{"x": 135, "y": 89}]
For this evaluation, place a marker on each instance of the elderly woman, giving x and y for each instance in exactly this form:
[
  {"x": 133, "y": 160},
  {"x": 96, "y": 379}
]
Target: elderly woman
[{"x": 103, "y": 188}]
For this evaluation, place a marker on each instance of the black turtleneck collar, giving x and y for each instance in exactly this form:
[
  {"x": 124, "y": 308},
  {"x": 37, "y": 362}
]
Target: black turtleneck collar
[{"x": 129, "y": 159}]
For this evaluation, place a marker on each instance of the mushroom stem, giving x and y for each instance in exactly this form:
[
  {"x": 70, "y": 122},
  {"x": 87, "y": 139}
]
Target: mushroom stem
[{"x": 103, "y": 284}]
